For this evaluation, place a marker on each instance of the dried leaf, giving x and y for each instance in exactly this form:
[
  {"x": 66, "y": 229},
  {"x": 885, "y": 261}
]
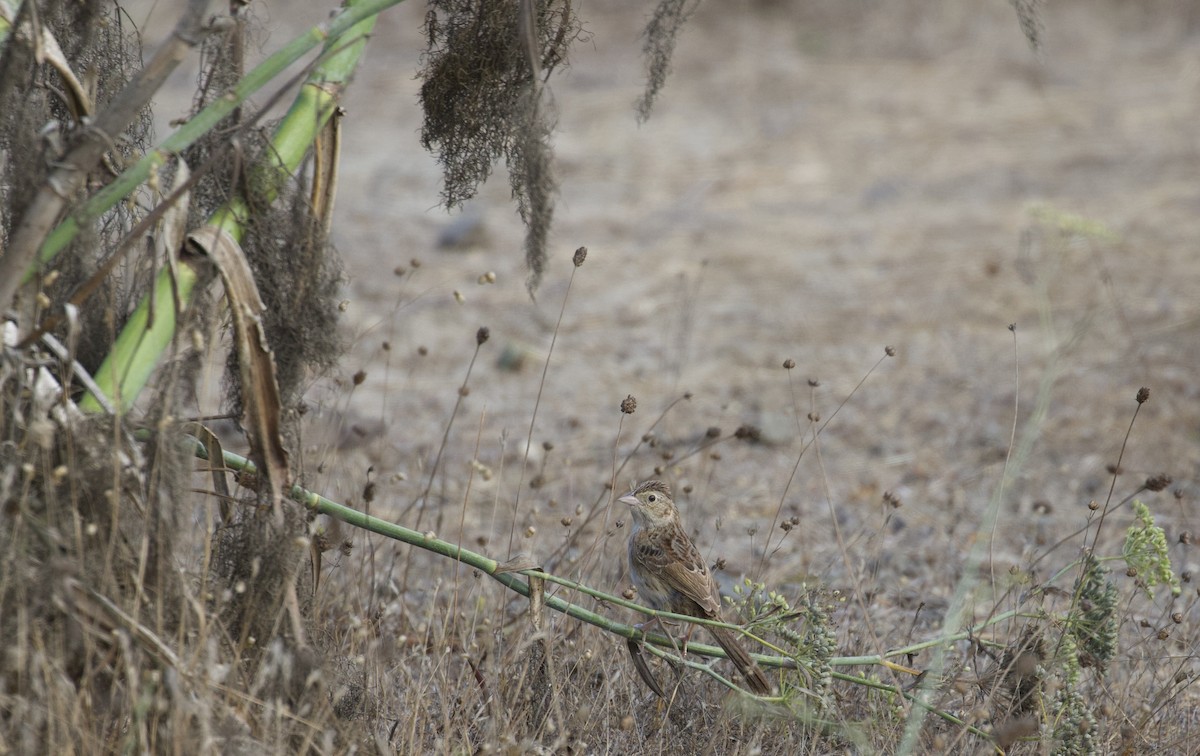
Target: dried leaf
[
  {"x": 216, "y": 467},
  {"x": 171, "y": 228},
  {"x": 47, "y": 50},
  {"x": 261, "y": 408},
  {"x": 315, "y": 551},
  {"x": 326, "y": 153}
]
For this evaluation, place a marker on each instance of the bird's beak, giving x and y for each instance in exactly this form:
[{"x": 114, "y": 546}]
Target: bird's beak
[{"x": 629, "y": 499}]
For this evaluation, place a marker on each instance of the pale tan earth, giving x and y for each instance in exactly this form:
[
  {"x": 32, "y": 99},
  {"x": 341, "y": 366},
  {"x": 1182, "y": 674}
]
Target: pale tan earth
[{"x": 817, "y": 181}]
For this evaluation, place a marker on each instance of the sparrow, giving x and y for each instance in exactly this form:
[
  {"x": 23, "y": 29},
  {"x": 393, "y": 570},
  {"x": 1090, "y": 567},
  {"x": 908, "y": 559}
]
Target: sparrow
[{"x": 669, "y": 574}]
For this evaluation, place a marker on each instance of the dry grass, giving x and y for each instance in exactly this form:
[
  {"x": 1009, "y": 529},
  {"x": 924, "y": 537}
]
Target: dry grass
[{"x": 137, "y": 618}]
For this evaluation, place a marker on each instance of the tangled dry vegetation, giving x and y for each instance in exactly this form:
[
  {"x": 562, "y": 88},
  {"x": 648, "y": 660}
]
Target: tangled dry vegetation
[{"x": 151, "y": 601}]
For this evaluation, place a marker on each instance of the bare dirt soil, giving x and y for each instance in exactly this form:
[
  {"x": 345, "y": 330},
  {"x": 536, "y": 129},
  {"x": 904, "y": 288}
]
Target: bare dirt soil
[{"x": 814, "y": 184}]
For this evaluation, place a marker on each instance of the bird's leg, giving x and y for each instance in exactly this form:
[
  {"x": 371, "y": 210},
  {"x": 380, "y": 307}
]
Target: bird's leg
[
  {"x": 687, "y": 637},
  {"x": 662, "y": 626}
]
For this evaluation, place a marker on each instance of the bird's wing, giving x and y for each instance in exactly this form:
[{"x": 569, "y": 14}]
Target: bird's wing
[{"x": 688, "y": 574}]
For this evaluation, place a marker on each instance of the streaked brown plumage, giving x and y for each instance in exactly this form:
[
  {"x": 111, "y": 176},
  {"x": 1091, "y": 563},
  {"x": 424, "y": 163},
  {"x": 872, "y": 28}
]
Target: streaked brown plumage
[{"x": 671, "y": 576}]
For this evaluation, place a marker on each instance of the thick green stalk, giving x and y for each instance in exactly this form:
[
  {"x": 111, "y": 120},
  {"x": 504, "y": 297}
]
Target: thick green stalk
[
  {"x": 512, "y": 579},
  {"x": 333, "y": 34},
  {"x": 123, "y": 374},
  {"x": 313, "y": 106},
  {"x": 141, "y": 343}
]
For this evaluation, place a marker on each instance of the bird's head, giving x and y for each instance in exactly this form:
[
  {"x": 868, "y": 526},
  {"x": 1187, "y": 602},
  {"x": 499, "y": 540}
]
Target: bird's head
[{"x": 650, "y": 503}]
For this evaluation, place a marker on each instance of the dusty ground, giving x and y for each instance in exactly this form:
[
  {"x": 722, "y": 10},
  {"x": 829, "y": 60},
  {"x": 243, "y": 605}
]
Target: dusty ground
[{"x": 814, "y": 184}]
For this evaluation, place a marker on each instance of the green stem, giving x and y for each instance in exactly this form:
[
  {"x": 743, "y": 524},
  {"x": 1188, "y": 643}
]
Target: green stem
[
  {"x": 123, "y": 373},
  {"x": 511, "y": 579},
  {"x": 142, "y": 342},
  {"x": 204, "y": 121},
  {"x": 886, "y": 688}
]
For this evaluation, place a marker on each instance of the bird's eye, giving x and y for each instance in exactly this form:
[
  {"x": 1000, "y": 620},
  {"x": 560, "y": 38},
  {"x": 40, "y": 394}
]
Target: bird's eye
[{"x": 651, "y": 498}]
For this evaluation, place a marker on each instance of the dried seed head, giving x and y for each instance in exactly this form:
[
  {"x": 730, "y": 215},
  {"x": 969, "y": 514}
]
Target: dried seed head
[
  {"x": 1177, "y": 618},
  {"x": 566, "y": 521},
  {"x": 399, "y": 270},
  {"x": 359, "y": 377},
  {"x": 814, "y": 417},
  {"x": 580, "y": 256},
  {"x": 1093, "y": 505},
  {"x": 1185, "y": 537},
  {"x": 891, "y": 499},
  {"x": 719, "y": 565},
  {"x": 482, "y": 335},
  {"x": 813, "y": 383},
  {"x": 748, "y": 433},
  {"x": 321, "y": 543},
  {"x": 1012, "y": 327},
  {"x": 712, "y": 432},
  {"x": 890, "y": 351},
  {"x": 789, "y": 363},
  {"x": 464, "y": 390},
  {"x": 548, "y": 445},
  {"x": 1158, "y": 482},
  {"x": 629, "y": 405},
  {"x": 1042, "y": 507},
  {"x": 414, "y": 263},
  {"x": 368, "y": 493},
  {"x": 1114, "y": 469},
  {"x": 422, "y": 350},
  {"x": 1142, "y": 395}
]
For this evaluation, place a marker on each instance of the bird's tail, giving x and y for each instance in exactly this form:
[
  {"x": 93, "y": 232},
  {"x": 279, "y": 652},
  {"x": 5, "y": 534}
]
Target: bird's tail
[{"x": 755, "y": 679}]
